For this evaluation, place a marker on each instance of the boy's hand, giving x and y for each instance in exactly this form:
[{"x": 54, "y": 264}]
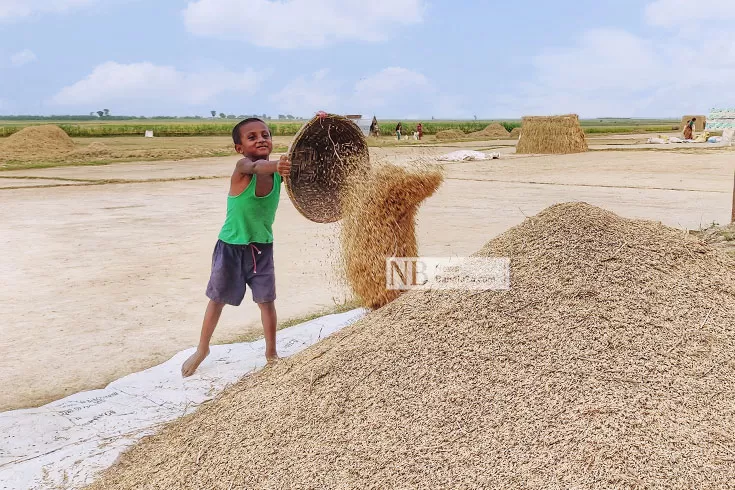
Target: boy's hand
[{"x": 284, "y": 166}]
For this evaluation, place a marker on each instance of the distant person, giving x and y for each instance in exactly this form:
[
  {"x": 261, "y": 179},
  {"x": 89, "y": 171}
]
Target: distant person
[
  {"x": 399, "y": 128},
  {"x": 243, "y": 255},
  {"x": 689, "y": 128},
  {"x": 420, "y": 130},
  {"x": 374, "y": 129}
]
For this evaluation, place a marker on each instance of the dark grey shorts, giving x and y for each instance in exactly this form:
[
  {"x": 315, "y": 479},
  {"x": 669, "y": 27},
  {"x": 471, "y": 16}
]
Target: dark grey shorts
[{"x": 235, "y": 266}]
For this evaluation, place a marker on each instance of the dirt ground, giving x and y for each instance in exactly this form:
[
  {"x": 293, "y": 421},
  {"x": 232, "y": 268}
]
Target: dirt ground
[{"x": 104, "y": 268}]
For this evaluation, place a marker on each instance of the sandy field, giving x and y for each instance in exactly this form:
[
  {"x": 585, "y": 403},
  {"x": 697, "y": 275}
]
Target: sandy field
[{"x": 104, "y": 267}]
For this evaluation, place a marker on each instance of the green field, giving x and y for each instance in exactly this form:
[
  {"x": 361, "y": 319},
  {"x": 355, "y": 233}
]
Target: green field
[{"x": 223, "y": 127}]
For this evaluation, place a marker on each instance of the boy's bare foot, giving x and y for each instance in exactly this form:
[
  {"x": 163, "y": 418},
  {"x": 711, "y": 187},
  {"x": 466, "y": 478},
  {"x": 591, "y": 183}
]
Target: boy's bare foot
[
  {"x": 191, "y": 364},
  {"x": 272, "y": 358}
]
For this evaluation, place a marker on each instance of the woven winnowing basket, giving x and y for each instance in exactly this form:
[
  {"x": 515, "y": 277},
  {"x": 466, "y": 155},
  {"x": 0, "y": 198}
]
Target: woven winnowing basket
[{"x": 324, "y": 154}]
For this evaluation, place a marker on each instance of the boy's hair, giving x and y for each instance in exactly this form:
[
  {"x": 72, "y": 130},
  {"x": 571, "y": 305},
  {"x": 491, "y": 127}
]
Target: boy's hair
[{"x": 236, "y": 130}]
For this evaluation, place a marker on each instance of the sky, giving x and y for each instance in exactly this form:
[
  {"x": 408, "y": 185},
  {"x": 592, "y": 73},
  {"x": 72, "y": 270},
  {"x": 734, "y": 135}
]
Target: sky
[{"x": 392, "y": 58}]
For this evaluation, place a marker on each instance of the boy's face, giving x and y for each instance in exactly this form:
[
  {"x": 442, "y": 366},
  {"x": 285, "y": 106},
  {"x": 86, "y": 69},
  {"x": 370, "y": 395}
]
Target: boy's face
[{"x": 255, "y": 139}]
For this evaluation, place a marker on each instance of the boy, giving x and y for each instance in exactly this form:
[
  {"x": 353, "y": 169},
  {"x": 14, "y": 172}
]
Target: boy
[{"x": 243, "y": 254}]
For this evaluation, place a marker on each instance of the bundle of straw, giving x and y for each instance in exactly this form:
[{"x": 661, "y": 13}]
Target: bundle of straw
[{"x": 552, "y": 135}]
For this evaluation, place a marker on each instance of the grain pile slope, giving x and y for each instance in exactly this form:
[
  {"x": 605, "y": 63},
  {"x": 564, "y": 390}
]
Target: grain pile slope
[
  {"x": 609, "y": 364},
  {"x": 450, "y": 134},
  {"x": 48, "y": 140},
  {"x": 379, "y": 221},
  {"x": 492, "y": 131}
]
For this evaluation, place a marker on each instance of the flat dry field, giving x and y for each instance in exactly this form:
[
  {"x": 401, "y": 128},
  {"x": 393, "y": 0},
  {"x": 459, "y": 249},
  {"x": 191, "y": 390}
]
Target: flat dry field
[{"x": 104, "y": 267}]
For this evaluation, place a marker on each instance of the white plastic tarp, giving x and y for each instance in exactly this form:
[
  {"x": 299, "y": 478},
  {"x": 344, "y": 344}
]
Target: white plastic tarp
[
  {"x": 65, "y": 443},
  {"x": 467, "y": 156}
]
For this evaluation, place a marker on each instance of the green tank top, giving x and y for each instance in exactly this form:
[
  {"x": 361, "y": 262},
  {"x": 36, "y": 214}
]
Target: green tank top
[{"x": 249, "y": 217}]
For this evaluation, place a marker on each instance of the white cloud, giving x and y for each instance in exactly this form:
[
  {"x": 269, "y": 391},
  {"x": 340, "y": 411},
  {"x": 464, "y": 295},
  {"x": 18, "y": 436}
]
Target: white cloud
[
  {"x": 153, "y": 84},
  {"x": 23, "y": 57},
  {"x": 393, "y": 91},
  {"x": 18, "y": 9},
  {"x": 304, "y": 96},
  {"x": 391, "y": 83},
  {"x": 611, "y": 72},
  {"x": 397, "y": 91},
  {"x": 683, "y": 13},
  {"x": 300, "y": 23}
]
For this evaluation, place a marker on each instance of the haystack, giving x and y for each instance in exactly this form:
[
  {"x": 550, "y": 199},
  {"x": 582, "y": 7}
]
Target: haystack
[
  {"x": 450, "y": 134},
  {"x": 699, "y": 124},
  {"x": 608, "y": 364},
  {"x": 48, "y": 140},
  {"x": 515, "y": 133},
  {"x": 324, "y": 154},
  {"x": 494, "y": 131},
  {"x": 379, "y": 214},
  {"x": 552, "y": 135}
]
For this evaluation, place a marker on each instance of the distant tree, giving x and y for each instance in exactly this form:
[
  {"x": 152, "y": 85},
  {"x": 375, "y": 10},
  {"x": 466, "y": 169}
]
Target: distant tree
[
  {"x": 289, "y": 116},
  {"x": 214, "y": 113},
  {"x": 107, "y": 112},
  {"x": 91, "y": 114},
  {"x": 100, "y": 113},
  {"x": 475, "y": 118},
  {"x": 222, "y": 115},
  {"x": 281, "y": 116},
  {"x": 231, "y": 116},
  {"x": 264, "y": 117}
]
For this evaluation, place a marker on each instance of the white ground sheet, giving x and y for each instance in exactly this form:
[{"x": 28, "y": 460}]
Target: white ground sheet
[{"x": 65, "y": 443}]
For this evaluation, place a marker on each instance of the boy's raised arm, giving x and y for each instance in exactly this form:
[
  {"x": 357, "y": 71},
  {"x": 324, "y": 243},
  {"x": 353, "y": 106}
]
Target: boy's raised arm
[{"x": 264, "y": 167}]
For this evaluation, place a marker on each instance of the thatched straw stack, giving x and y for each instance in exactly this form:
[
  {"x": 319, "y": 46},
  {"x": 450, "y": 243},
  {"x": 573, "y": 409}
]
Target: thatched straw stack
[
  {"x": 379, "y": 214},
  {"x": 699, "y": 124},
  {"x": 324, "y": 154},
  {"x": 515, "y": 133},
  {"x": 608, "y": 364},
  {"x": 556, "y": 135},
  {"x": 47, "y": 141},
  {"x": 450, "y": 134},
  {"x": 494, "y": 131}
]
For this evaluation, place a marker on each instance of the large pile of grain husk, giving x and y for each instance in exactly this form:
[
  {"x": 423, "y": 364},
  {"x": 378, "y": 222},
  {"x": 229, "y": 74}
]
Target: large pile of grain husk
[
  {"x": 552, "y": 135},
  {"x": 609, "y": 364},
  {"x": 494, "y": 131},
  {"x": 46, "y": 140},
  {"x": 515, "y": 133},
  {"x": 379, "y": 222},
  {"x": 95, "y": 149},
  {"x": 450, "y": 134}
]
